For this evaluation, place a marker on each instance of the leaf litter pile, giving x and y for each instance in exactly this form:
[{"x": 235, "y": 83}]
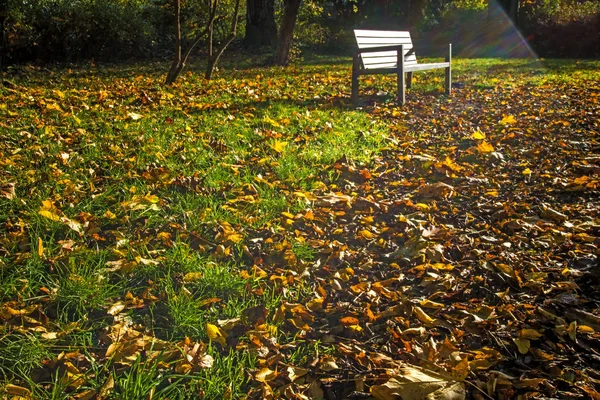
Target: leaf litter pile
[{"x": 256, "y": 237}]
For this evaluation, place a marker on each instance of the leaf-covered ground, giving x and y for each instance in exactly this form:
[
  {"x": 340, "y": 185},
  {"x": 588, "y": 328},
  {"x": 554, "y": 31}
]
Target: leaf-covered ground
[{"x": 256, "y": 236}]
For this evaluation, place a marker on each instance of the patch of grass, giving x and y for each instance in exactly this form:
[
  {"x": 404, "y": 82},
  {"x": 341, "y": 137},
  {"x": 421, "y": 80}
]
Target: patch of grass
[
  {"x": 228, "y": 377},
  {"x": 81, "y": 288},
  {"x": 21, "y": 354}
]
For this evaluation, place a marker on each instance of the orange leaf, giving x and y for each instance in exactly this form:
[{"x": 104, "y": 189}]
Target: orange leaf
[{"x": 349, "y": 321}]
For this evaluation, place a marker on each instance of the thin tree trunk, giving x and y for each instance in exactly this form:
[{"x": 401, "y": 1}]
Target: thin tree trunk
[
  {"x": 214, "y": 58},
  {"x": 286, "y": 32},
  {"x": 173, "y": 72},
  {"x": 3, "y": 18},
  {"x": 180, "y": 60}
]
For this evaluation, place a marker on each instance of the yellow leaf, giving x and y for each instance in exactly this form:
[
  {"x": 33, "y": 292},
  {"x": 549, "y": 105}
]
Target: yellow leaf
[
  {"x": 192, "y": 277},
  {"x": 50, "y": 335},
  {"x": 278, "y": 146},
  {"x": 530, "y": 334},
  {"x": 15, "y": 390},
  {"x": 49, "y": 214},
  {"x": 151, "y": 198},
  {"x": 109, "y": 214},
  {"x": 523, "y": 345},
  {"x": 526, "y": 171},
  {"x": 508, "y": 119},
  {"x": 216, "y": 334},
  {"x": 478, "y": 135},
  {"x": 366, "y": 234},
  {"x": 572, "y": 330},
  {"x": 442, "y": 266},
  {"x": 485, "y": 147},
  {"x": 431, "y": 304},
  {"x": 296, "y": 372},
  {"x": 422, "y": 316},
  {"x": 116, "y": 308},
  {"x": 134, "y": 116},
  {"x": 87, "y": 395},
  {"x": 107, "y": 387},
  {"x": 53, "y": 107},
  {"x": 423, "y": 207},
  {"x": 461, "y": 370},
  {"x": 315, "y": 304},
  {"x": 59, "y": 93},
  {"x": 234, "y": 237},
  {"x": 265, "y": 375},
  {"x": 40, "y": 247},
  {"x": 452, "y": 165},
  {"x": 272, "y": 122}
]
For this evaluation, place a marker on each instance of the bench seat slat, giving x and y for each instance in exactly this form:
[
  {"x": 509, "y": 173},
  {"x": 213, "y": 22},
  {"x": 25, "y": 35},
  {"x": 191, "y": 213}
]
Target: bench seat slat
[
  {"x": 424, "y": 67},
  {"x": 383, "y": 69}
]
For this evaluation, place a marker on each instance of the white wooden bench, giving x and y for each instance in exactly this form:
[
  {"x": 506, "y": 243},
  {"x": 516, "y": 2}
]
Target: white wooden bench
[{"x": 388, "y": 52}]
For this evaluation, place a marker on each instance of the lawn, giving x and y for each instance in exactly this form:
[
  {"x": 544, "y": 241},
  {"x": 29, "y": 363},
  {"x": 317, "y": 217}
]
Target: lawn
[{"x": 257, "y": 236}]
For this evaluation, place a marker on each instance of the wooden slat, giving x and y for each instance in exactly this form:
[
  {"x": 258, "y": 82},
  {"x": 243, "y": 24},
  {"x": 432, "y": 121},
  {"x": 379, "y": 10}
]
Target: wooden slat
[
  {"x": 385, "y": 64},
  {"x": 407, "y": 68},
  {"x": 385, "y": 59},
  {"x": 381, "y": 65},
  {"x": 373, "y": 33},
  {"x": 377, "y": 41},
  {"x": 423, "y": 67},
  {"x": 374, "y": 63},
  {"x": 368, "y": 57}
]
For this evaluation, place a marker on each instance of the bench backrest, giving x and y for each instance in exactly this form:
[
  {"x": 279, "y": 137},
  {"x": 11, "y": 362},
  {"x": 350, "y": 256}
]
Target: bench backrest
[{"x": 383, "y": 59}]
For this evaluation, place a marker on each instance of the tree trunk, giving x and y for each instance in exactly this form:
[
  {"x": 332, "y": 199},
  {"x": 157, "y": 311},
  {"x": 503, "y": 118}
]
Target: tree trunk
[
  {"x": 214, "y": 58},
  {"x": 181, "y": 57},
  {"x": 177, "y": 66},
  {"x": 3, "y": 18},
  {"x": 286, "y": 32},
  {"x": 261, "y": 29}
]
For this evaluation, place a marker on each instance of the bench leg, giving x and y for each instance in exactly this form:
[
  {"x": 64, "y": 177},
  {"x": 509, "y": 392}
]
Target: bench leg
[
  {"x": 401, "y": 82},
  {"x": 409, "y": 80},
  {"x": 355, "y": 67},
  {"x": 449, "y": 71}
]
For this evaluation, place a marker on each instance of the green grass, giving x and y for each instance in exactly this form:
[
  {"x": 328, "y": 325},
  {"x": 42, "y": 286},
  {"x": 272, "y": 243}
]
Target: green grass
[{"x": 164, "y": 197}]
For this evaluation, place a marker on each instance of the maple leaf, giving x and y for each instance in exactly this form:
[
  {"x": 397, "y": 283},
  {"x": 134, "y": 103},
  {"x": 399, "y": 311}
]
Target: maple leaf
[
  {"x": 508, "y": 120},
  {"x": 278, "y": 146},
  {"x": 485, "y": 147},
  {"x": 478, "y": 135}
]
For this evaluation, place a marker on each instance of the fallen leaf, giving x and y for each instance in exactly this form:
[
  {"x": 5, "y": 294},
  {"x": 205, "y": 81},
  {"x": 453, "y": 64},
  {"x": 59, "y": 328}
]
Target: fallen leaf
[{"x": 216, "y": 334}]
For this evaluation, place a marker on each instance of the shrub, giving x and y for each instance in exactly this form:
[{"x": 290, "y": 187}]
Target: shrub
[
  {"x": 560, "y": 28},
  {"x": 72, "y": 30}
]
